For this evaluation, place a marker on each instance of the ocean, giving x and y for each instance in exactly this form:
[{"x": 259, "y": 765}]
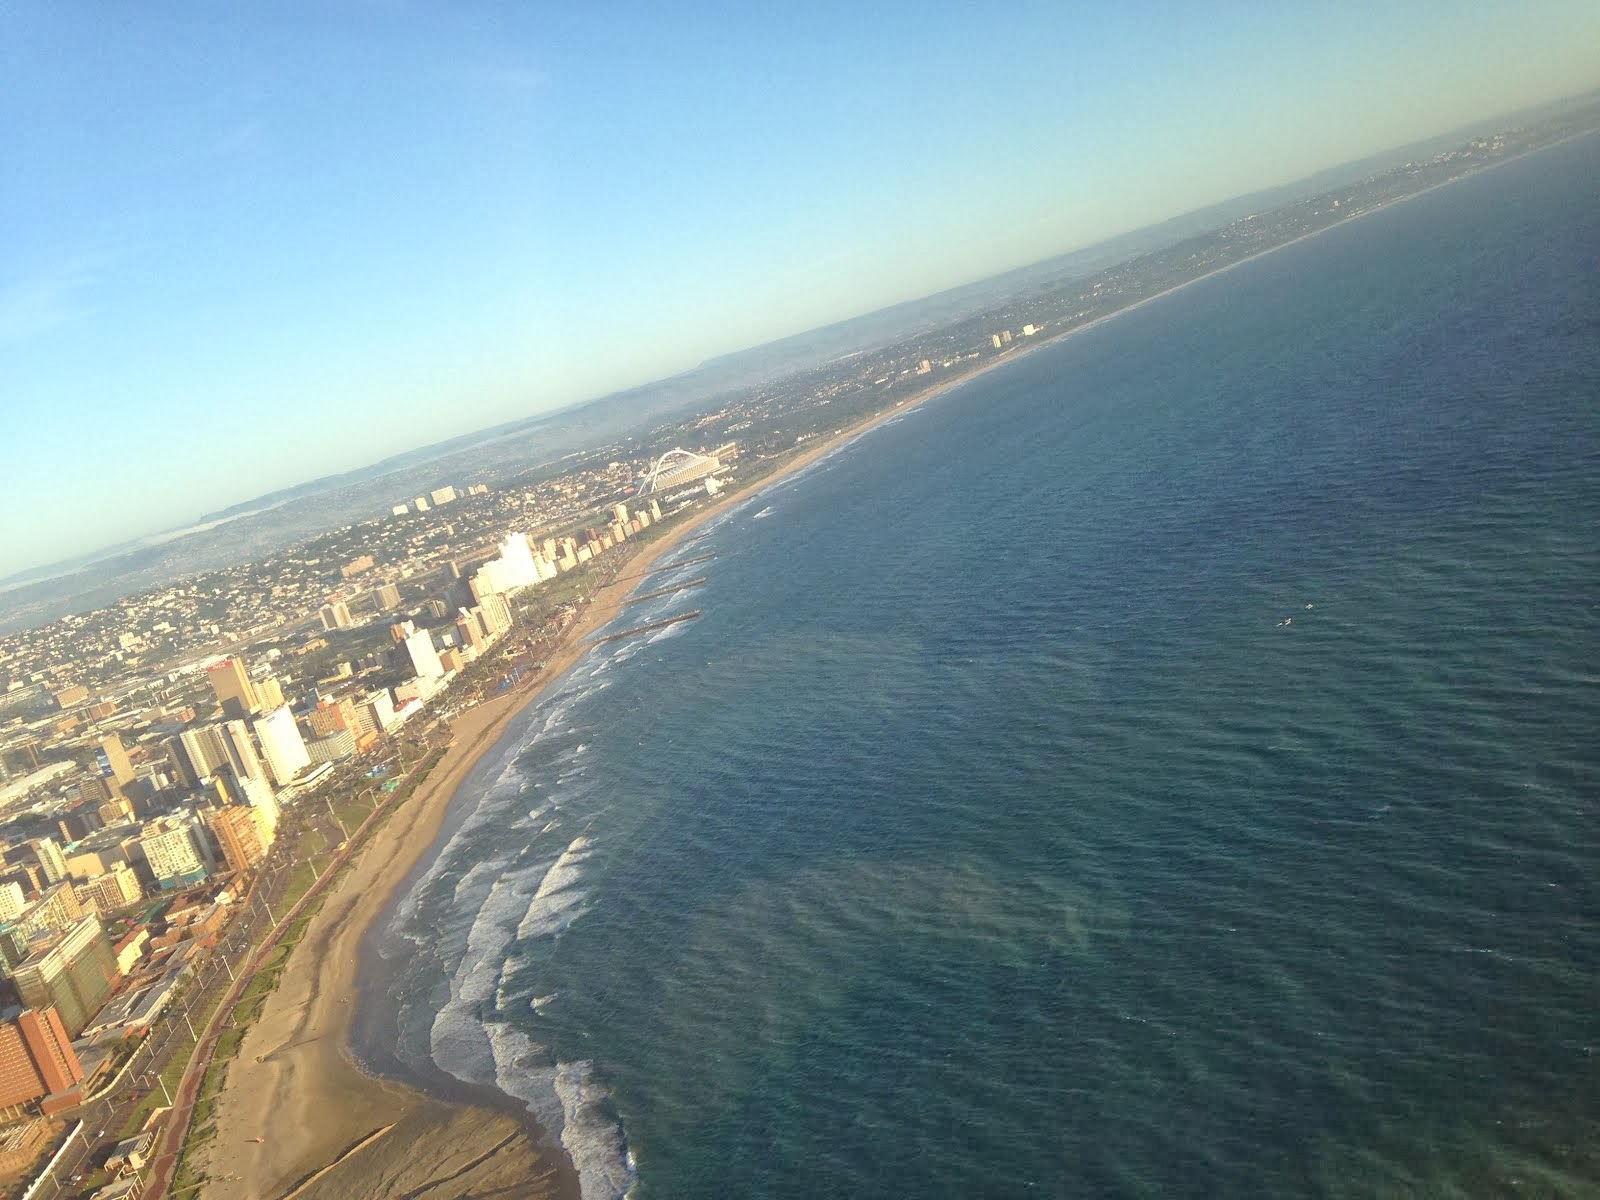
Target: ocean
[{"x": 1164, "y": 766}]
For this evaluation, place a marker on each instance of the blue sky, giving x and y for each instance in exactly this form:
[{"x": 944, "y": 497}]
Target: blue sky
[{"x": 244, "y": 248}]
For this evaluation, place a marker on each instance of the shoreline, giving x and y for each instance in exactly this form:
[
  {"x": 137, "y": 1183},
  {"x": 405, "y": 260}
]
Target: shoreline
[{"x": 300, "y": 1055}]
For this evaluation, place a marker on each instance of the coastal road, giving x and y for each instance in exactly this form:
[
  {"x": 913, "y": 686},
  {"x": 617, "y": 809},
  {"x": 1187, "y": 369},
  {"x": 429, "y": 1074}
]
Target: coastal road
[{"x": 176, "y": 1126}]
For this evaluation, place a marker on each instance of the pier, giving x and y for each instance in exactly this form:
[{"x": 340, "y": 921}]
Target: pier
[
  {"x": 650, "y": 628},
  {"x": 666, "y": 591}
]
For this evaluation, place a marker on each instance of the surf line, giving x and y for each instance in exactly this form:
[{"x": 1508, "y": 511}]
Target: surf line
[
  {"x": 666, "y": 591},
  {"x": 638, "y": 629}
]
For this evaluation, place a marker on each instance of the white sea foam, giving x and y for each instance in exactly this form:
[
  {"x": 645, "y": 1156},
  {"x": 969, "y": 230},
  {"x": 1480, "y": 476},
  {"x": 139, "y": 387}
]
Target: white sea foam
[
  {"x": 459, "y": 1045},
  {"x": 558, "y": 902},
  {"x": 670, "y": 631},
  {"x": 591, "y": 1134}
]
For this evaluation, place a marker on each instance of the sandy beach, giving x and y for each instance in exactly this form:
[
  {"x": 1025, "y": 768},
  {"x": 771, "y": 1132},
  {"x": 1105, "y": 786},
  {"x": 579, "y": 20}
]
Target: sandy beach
[
  {"x": 326, "y": 1128},
  {"x": 299, "y": 1117}
]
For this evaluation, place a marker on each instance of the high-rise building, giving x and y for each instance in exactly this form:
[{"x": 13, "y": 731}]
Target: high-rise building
[
  {"x": 424, "y": 659},
  {"x": 338, "y": 745},
  {"x": 237, "y": 836},
  {"x": 241, "y": 751},
  {"x": 269, "y": 693},
  {"x": 113, "y": 759},
  {"x": 263, "y": 806},
  {"x": 442, "y": 495},
  {"x": 231, "y": 682},
  {"x": 199, "y": 752},
  {"x": 57, "y": 908},
  {"x": 336, "y": 615},
  {"x": 75, "y": 975},
  {"x": 170, "y": 852},
  {"x": 12, "y": 900},
  {"x": 115, "y": 811},
  {"x": 379, "y": 704},
  {"x": 494, "y": 613},
  {"x": 115, "y": 889},
  {"x": 281, "y": 745},
  {"x": 36, "y": 1057},
  {"x": 387, "y": 597},
  {"x": 332, "y": 715},
  {"x": 52, "y": 864}
]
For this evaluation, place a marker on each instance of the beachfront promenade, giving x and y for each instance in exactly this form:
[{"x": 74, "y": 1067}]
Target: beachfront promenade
[{"x": 176, "y": 1127}]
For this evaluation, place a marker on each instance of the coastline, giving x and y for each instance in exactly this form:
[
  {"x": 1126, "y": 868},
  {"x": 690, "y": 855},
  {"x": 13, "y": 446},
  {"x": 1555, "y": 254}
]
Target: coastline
[
  {"x": 358, "y": 1133},
  {"x": 361, "y": 1134}
]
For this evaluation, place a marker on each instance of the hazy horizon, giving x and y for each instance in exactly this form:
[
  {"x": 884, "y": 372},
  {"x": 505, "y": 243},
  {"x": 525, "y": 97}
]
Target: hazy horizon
[{"x": 247, "y": 255}]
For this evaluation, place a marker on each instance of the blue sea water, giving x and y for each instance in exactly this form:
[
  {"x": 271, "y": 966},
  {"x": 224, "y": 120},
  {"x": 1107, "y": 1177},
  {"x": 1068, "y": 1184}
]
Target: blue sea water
[{"x": 1166, "y": 766}]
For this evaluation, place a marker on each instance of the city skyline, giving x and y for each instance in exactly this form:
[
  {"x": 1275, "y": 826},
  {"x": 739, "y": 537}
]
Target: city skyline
[{"x": 241, "y": 256}]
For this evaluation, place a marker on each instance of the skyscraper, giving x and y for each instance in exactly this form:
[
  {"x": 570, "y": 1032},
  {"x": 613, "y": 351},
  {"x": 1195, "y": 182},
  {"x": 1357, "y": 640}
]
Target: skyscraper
[
  {"x": 51, "y": 861},
  {"x": 231, "y": 682},
  {"x": 200, "y": 752},
  {"x": 237, "y": 835},
  {"x": 113, "y": 759},
  {"x": 281, "y": 745},
  {"x": 240, "y": 751},
  {"x": 424, "y": 659}
]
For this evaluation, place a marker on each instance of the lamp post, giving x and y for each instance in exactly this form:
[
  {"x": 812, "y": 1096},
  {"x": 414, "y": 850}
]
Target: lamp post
[
  {"x": 344, "y": 833},
  {"x": 162, "y": 1084}
]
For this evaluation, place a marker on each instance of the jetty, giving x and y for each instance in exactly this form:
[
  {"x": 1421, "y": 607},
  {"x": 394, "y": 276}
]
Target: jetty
[
  {"x": 650, "y": 628},
  {"x": 666, "y": 591},
  {"x": 671, "y": 566}
]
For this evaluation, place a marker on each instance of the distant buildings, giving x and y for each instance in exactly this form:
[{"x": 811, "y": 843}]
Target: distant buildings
[
  {"x": 387, "y": 597},
  {"x": 336, "y": 614},
  {"x": 442, "y": 495}
]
